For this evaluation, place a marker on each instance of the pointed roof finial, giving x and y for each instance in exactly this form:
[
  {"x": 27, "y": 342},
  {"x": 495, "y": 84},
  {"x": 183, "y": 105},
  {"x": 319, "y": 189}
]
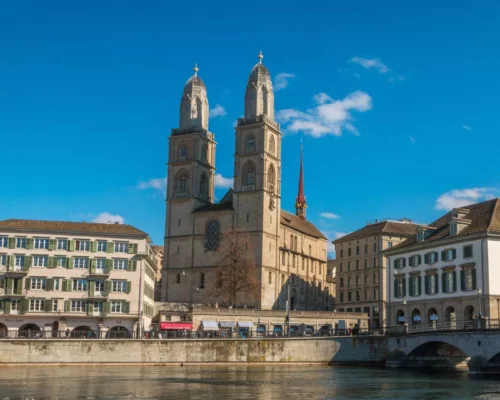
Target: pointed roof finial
[
  {"x": 260, "y": 56},
  {"x": 300, "y": 202},
  {"x": 195, "y": 69}
]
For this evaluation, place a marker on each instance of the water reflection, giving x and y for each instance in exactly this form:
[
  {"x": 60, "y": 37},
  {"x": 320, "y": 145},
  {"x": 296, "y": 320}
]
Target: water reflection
[{"x": 237, "y": 382}]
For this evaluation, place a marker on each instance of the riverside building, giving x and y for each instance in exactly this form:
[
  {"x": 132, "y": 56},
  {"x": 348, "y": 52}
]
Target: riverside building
[
  {"x": 85, "y": 277},
  {"x": 447, "y": 272},
  {"x": 361, "y": 279},
  {"x": 288, "y": 249}
]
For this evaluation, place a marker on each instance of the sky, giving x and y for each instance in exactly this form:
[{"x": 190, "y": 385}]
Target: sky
[{"x": 396, "y": 103}]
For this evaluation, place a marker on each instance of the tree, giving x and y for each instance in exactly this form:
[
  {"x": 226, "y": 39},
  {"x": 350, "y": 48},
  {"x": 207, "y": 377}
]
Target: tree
[{"x": 236, "y": 271}]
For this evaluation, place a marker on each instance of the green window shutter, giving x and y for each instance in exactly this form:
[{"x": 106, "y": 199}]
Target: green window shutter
[
  {"x": 129, "y": 286},
  {"x": 443, "y": 255},
  {"x": 109, "y": 265},
  {"x": 454, "y": 251},
  {"x": 52, "y": 262},
  {"x": 454, "y": 281},
  {"x": 419, "y": 259},
  {"x": 474, "y": 283},
  {"x": 126, "y": 307},
  {"x": 404, "y": 262},
  {"x": 93, "y": 266},
  {"x": 6, "y": 306},
  {"x": 107, "y": 307},
  {"x": 131, "y": 248},
  {"x": 107, "y": 287},
  {"x": 67, "y": 285},
  {"x": 110, "y": 247},
  {"x": 12, "y": 260},
  {"x": 24, "y": 305},
  {"x": 11, "y": 243},
  {"x": 51, "y": 283},
  {"x": 48, "y": 305},
  {"x": 67, "y": 306},
  {"x": 404, "y": 287},
  {"x": 93, "y": 246},
  {"x": 72, "y": 245},
  {"x": 10, "y": 285},
  {"x": 395, "y": 288},
  {"x": 52, "y": 244},
  {"x": 426, "y": 283},
  {"x": 131, "y": 265},
  {"x": 427, "y": 258},
  {"x": 71, "y": 262},
  {"x": 436, "y": 287},
  {"x": 29, "y": 244},
  {"x": 27, "y": 283},
  {"x": 419, "y": 286},
  {"x": 443, "y": 282},
  {"x": 2, "y": 305},
  {"x": 27, "y": 262},
  {"x": 410, "y": 289},
  {"x": 90, "y": 309},
  {"x": 462, "y": 280},
  {"x": 91, "y": 288}
]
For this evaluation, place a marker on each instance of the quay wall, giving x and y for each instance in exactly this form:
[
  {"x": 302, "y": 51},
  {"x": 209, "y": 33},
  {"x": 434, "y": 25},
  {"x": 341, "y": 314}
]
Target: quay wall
[{"x": 345, "y": 350}]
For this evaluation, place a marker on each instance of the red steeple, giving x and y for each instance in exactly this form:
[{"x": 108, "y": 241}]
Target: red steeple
[{"x": 300, "y": 202}]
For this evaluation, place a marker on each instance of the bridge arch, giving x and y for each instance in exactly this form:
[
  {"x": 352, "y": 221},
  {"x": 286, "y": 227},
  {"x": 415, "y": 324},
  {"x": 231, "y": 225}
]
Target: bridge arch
[{"x": 437, "y": 349}]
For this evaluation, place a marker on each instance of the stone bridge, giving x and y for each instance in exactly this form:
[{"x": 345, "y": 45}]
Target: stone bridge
[{"x": 476, "y": 351}]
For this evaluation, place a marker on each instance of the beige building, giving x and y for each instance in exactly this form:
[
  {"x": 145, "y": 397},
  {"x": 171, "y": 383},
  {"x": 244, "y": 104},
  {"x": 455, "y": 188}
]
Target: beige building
[
  {"x": 361, "y": 281},
  {"x": 56, "y": 276},
  {"x": 287, "y": 247}
]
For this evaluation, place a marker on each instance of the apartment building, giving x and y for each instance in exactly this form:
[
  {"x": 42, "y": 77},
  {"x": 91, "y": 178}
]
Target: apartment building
[
  {"x": 447, "y": 270},
  {"x": 361, "y": 281},
  {"x": 76, "y": 276}
]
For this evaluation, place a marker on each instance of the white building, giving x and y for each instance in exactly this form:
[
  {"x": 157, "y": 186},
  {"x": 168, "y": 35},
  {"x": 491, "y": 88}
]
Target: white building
[
  {"x": 448, "y": 269},
  {"x": 56, "y": 276}
]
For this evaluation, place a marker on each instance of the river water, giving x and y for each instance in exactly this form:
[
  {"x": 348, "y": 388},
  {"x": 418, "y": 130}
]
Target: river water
[{"x": 238, "y": 382}]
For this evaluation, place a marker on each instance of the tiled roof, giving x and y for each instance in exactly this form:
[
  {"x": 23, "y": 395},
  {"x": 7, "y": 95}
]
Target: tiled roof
[
  {"x": 65, "y": 226},
  {"x": 483, "y": 217},
  {"x": 157, "y": 248},
  {"x": 393, "y": 228},
  {"x": 297, "y": 223}
]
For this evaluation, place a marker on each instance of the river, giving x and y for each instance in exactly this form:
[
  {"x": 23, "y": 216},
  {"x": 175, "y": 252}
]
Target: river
[{"x": 238, "y": 382}]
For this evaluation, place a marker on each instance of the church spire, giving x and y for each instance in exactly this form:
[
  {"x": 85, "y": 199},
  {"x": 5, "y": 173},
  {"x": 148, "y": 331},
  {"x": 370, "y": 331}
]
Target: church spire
[{"x": 300, "y": 202}]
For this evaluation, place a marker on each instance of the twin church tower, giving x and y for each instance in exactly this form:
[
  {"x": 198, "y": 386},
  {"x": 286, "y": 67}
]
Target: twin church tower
[{"x": 287, "y": 248}]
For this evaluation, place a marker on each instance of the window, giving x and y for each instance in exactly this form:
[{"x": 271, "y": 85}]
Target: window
[
  {"x": 375, "y": 278},
  {"x": 181, "y": 183},
  {"x": 250, "y": 144},
  {"x": 357, "y": 250},
  {"x": 62, "y": 244},
  {"x": 2, "y": 282},
  {"x": 80, "y": 285},
  {"x": 342, "y": 297},
  {"x": 270, "y": 277},
  {"x": 119, "y": 286},
  {"x": 19, "y": 260},
  {"x": 341, "y": 282},
  {"x": 272, "y": 145},
  {"x": 357, "y": 265},
  {"x": 100, "y": 263},
  {"x": 56, "y": 284},
  {"x": 349, "y": 296},
  {"x": 431, "y": 284},
  {"x": 21, "y": 243},
  {"x": 4, "y": 241},
  {"x": 40, "y": 261},
  {"x": 120, "y": 264},
  {"x": 415, "y": 286},
  {"x": 420, "y": 236},
  {"x": 61, "y": 261},
  {"x": 38, "y": 283},
  {"x": 449, "y": 282},
  {"x": 375, "y": 294},
  {"x": 178, "y": 278},
  {"x": 3, "y": 259},
  {"x": 82, "y": 245},
  {"x": 358, "y": 296},
  {"x": 54, "y": 306},
  {"x": 271, "y": 178},
  {"x": 448, "y": 255},
  {"x": 374, "y": 247},
  {"x": 81, "y": 262},
  {"x": 366, "y": 295},
  {"x": 15, "y": 305},
  {"x": 366, "y": 279},
  {"x": 389, "y": 245},
  {"x": 468, "y": 251},
  {"x": 374, "y": 262},
  {"x": 121, "y": 247},
  {"x": 415, "y": 261},
  {"x": 357, "y": 280},
  {"x": 366, "y": 263},
  {"x": 37, "y": 305},
  {"x": 102, "y": 245},
  {"x": 431, "y": 258},
  {"x": 400, "y": 287},
  {"x": 349, "y": 252},
  {"x": 341, "y": 253},
  {"x": 182, "y": 150},
  {"x": 116, "y": 306},
  {"x": 78, "y": 305},
  {"x": 283, "y": 259},
  {"x": 203, "y": 186},
  {"x": 202, "y": 280},
  {"x": 366, "y": 249},
  {"x": 212, "y": 235},
  {"x": 340, "y": 267},
  {"x": 41, "y": 243},
  {"x": 348, "y": 266},
  {"x": 348, "y": 281},
  {"x": 249, "y": 174},
  {"x": 99, "y": 286},
  {"x": 98, "y": 307},
  {"x": 399, "y": 263},
  {"x": 453, "y": 229},
  {"x": 468, "y": 279}
]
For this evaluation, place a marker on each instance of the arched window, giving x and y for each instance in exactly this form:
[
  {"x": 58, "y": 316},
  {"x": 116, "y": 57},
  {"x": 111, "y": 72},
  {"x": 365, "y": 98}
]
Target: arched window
[
  {"x": 295, "y": 247},
  {"x": 249, "y": 174},
  {"x": 250, "y": 144},
  {"x": 291, "y": 242},
  {"x": 212, "y": 235},
  {"x": 181, "y": 183},
  {"x": 310, "y": 250},
  {"x": 202, "y": 280},
  {"x": 270, "y": 277},
  {"x": 282, "y": 279},
  {"x": 271, "y": 178},
  {"x": 293, "y": 261},
  {"x": 283, "y": 259},
  {"x": 182, "y": 150},
  {"x": 272, "y": 144},
  {"x": 203, "y": 186}
]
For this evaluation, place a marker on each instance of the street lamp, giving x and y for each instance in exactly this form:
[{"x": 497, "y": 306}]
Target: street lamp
[{"x": 480, "y": 292}]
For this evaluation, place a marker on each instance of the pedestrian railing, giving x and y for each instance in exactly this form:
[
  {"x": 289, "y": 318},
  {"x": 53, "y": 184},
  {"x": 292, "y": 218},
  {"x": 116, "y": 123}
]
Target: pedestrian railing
[{"x": 444, "y": 326}]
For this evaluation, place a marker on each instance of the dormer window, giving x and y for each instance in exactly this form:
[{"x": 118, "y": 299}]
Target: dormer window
[
  {"x": 453, "y": 229},
  {"x": 420, "y": 236}
]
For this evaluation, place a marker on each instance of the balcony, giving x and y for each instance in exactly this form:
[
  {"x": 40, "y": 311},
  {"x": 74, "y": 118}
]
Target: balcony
[
  {"x": 15, "y": 292},
  {"x": 16, "y": 270},
  {"x": 97, "y": 272},
  {"x": 97, "y": 294}
]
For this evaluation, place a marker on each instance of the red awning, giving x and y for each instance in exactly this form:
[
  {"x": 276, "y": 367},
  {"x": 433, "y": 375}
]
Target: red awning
[{"x": 176, "y": 325}]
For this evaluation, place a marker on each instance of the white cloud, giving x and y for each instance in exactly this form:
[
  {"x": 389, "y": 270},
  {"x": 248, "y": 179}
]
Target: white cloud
[
  {"x": 154, "y": 183},
  {"x": 329, "y": 215},
  {"x": 217, "y": 111},
  {"x": 466, "y": 127},
  {"x": 463, "y": 197},
  {"x": 222, "y": 182},
  {"x": 330, "y": 247},
  {"x": 107, "y": 218},
  {"x": 369, "y": 63},
  {"x": 338, "y": 235},
  {"x": 328, "y": 117},
  {"x": 412, "y": 139},
  {"x": 281, "y": 80}
]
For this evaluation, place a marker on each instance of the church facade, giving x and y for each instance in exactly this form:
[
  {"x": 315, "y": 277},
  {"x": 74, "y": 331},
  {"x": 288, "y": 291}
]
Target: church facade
[{"x": 289, "y": 251}]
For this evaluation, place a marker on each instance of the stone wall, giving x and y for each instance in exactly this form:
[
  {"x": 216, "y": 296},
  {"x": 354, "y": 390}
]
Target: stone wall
[{"x": 301, "y": 350}]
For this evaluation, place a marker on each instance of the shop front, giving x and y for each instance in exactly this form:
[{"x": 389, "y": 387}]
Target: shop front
[{"x": 175, "y": 329}]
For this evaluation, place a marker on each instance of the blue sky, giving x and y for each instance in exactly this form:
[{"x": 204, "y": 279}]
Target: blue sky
[{"x": 396, "y": 103}]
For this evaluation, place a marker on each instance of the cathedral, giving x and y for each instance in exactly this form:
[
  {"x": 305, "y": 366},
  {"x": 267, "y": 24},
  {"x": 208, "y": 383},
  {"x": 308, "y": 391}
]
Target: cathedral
[{"x": 290, "y": 253}]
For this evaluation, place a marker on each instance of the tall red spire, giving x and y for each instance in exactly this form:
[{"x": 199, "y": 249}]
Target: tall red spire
[{"x": 300, "y": 202}]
